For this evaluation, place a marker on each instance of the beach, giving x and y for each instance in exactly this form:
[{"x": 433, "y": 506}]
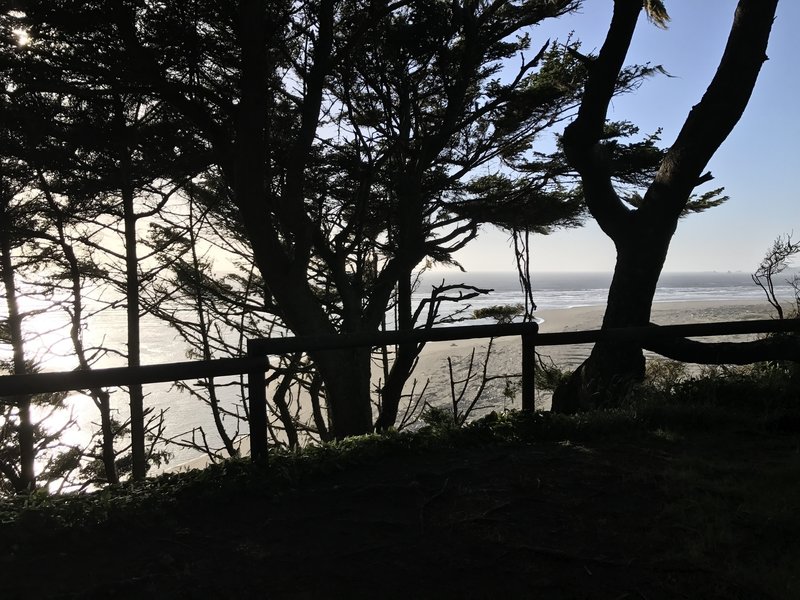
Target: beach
[
  {"x": 506, "y": 354},
  {"x": 433, "y": 372}
]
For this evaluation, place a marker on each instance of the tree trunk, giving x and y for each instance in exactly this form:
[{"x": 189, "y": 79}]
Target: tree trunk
[
  {"x": 107, "y": 433},
  {"x": 27, "y": 451},
  {"x": 135, "y": 392},
  {"x": 346, "y": 374},
  {"x": 279, "y": 398},
  {"x": 276, "y": 223},
  {"x": 392, "y": 391},
  {"x": 602, "y": 380},
  {"x": 315, "y": 391}
]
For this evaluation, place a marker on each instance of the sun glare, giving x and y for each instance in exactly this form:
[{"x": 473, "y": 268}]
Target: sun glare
[{"x": 23, "y": 39}]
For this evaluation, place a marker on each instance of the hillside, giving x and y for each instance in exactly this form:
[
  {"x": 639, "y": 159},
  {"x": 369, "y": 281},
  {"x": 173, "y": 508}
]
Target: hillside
[{"x": 660, "y": 504}]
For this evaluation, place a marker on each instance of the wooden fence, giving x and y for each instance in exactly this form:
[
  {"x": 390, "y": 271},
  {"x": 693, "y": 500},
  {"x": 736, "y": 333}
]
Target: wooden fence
[{"x": 255, "y": 363}]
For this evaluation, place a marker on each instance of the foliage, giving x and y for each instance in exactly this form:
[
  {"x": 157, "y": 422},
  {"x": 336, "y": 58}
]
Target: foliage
[
  {"x": 134, "y": 501},
  {"x": 333, "y": 143},
  {"x": 548, "y": 375},
  {"x": 695, "y": 204},
  {"x": 707, "y": 444},
  {"x": 776, "y": 261},
  {"x": 657, "y": 13},
  {"x": 673, "y": 399},
  {"x": 504, "y": 313}
]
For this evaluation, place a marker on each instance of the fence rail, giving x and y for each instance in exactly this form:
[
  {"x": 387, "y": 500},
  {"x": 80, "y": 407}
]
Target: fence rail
[{"x": 255, "y": 364}]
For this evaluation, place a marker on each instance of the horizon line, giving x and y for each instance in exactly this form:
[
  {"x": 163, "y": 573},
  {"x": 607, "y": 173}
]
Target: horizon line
[{"x": 587, "y": 272}]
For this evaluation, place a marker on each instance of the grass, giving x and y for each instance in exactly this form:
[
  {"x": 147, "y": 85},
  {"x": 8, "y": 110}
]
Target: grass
[
  {"x": 690, "y": 488},
  {"x": 737, "y": 504}
]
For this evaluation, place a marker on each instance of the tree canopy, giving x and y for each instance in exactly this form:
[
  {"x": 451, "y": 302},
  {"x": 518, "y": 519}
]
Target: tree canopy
[
  {"x": 327, "y": 149},
  {"x": 332, "y": 146}
]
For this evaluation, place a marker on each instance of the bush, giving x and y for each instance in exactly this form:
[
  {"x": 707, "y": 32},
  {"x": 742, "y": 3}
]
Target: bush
[{"x": 502, "y": 313}]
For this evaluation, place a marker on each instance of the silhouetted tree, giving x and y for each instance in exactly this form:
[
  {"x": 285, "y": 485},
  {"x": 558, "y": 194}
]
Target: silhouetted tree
[
  {"x": 642, "y": 232},
  {"x": 343, "y": 131},
  {"x": 97, "y": 145},
  {"x": 775, "y": 261}
]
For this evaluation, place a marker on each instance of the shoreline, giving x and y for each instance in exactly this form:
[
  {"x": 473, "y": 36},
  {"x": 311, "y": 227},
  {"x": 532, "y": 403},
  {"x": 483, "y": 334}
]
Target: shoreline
[
  {"x": 506, "y": 353},
  {"x": 579, "y": 318}
]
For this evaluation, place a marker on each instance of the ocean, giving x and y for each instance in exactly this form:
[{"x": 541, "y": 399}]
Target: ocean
[
  {"x": 184, "y": 415},
  {"x": 49, "y": 348},
  {"x": 569, "y": 290}
]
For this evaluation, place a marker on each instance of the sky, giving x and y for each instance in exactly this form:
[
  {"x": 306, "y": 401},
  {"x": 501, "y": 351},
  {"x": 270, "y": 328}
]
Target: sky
[{"x": 758, "y": 164}]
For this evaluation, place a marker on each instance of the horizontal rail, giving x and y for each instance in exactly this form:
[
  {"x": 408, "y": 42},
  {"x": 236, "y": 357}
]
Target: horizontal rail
[
  {"x": 386, "y": 338},
  {"x": 660, "y": 332},
  {"x": 42, "y": 383},
  {"x": 37, "y": 383}
]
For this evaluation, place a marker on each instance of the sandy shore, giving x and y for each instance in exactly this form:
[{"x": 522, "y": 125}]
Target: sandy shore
[
  {"x": 433, "y": 372},
  {"x": 506, "y": 355}
]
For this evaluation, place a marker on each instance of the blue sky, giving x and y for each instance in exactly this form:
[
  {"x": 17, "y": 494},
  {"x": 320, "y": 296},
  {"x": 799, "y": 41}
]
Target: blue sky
[{"x": 758, "y": 164}]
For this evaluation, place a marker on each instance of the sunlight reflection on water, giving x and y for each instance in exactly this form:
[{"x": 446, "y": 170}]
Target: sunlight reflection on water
[{"x": 50, "y": 346}]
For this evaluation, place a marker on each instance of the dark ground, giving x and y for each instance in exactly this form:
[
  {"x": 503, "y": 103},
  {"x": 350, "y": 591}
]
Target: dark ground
[{"x": 607, "y": 519}]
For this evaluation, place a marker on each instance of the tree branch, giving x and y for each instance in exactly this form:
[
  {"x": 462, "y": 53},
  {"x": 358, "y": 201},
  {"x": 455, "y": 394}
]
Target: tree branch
[
  {"x": 779, "y": 347},
  {"x": 291, "y": 202},
  {"x": 582, "y": 138},
  {"x": 714, "y": 117}
]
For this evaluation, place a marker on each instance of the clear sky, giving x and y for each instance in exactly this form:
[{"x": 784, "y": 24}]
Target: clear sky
[{"x": 759, "y": 163}]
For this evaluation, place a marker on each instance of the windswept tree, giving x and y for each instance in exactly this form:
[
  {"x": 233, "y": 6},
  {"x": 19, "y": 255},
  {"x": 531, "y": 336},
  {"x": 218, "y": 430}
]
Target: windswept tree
[
  {"x": 31, "y": 452},
  {"x": 17, "y": 460},
  {"x": 345, "y": 143},
  {"x": 102, "y": 154},
  {"x": 776, "y": 261},
  {"x": 642, "y": 226},
  {"x": 343, "y": 133}
]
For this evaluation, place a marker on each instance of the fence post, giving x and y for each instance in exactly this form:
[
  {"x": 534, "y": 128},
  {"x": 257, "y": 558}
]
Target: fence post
[
  {"x": 528, "y": 372},
  {"x": 257, "y": 404}
]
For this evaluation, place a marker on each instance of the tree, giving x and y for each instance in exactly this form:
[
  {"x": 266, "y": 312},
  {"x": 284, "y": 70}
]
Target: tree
[
  {"x": 214, "y": 313},
  {"x": 31, "y": 453},
  {"x": 24, "y": 478},
  {"x": 97, "y": 149},
  {"x": 642, "y": 232},
  {"x": 67, "y": 265},
  {"x": 46, "y": 275},
  {"x": 342, "y": 133},
  {"x": 501, "y": 313},
  {"x": 344, "y": 140},
  {"x": 775, "y": 262}
]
